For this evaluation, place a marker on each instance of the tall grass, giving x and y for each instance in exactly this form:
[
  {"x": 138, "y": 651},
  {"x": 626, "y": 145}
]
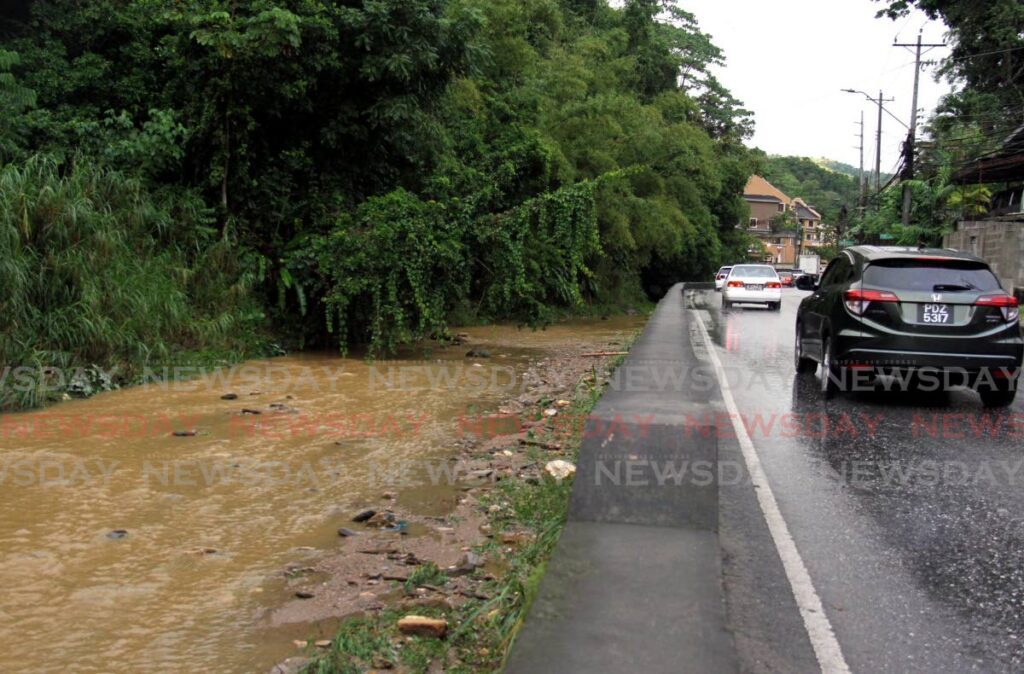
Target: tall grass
[{"x": 95, "y": 269}]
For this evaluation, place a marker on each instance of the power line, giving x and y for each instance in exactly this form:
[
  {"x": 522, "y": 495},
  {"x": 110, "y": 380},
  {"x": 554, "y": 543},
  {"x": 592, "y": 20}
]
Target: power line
[
  {"x": 995, "y": 113},
  {"x": 1001, "y": 133},
  {"x": 984, "y": 53}
]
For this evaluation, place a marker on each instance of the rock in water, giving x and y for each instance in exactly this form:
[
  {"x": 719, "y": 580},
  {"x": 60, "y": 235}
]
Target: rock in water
[
  {"x": 184, "y": 434},
  {"x": 345, "y": 533},
  {"x": 381, "y": 520},
  {"x": 423, "y": 626},
  {"x": 478, "y": 353},
  {"x": 229, "y": 396},
  {"x": 117, "y": 534},
  {"x": 364, "y": 515}
]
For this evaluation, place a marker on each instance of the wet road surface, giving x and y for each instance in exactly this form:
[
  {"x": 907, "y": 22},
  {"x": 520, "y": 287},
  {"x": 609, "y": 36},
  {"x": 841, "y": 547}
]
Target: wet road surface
[{"x": 906, "y": 508}]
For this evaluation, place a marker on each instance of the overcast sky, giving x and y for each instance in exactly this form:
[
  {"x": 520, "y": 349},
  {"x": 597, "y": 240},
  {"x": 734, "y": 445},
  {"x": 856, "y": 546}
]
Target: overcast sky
[{"x": 788, "y": 59}]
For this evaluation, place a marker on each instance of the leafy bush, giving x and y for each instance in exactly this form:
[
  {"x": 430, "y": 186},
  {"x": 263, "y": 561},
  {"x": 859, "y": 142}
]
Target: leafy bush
[{"x": 95, "y": 270}]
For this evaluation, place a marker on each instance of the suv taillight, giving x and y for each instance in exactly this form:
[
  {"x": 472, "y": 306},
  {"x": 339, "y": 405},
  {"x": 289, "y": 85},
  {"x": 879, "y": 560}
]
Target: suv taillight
[
  {"x": 1009, "y": 305},
  {"x": 857, "y": 301}
]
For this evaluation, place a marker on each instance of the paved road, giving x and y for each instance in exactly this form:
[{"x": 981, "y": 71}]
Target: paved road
[{"x": 906, "y": 510}]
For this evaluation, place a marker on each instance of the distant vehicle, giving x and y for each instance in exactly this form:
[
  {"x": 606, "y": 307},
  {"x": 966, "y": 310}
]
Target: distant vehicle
[
  {"x": 720, "y": 277},
  {"x": 810, "y": 264},
  {"x": 752, "y": 284},
  {"x": 786, "y": 276},
  {"x": 932, "y": 313}
]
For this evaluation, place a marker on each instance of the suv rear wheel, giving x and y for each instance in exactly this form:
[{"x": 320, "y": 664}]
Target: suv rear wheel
[
  {"x": 999, "y": 397},
  {"x": 830, "y": 372},
  {"x": 804, "y": 365}
]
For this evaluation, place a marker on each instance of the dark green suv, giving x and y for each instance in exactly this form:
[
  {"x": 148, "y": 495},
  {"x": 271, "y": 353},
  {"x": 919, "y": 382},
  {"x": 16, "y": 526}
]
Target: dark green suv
[{"x": 930, "y": 317}]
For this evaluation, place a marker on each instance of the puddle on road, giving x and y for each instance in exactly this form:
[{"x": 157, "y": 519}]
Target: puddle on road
[{"x": 210, "y": 518}]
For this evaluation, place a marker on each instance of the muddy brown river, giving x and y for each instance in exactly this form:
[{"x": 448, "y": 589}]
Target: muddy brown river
[{"x": 126, "y": 548}]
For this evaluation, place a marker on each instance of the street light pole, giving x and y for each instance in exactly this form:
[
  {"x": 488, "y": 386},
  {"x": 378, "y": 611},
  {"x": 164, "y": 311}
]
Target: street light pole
[{"x": 878, "y": 135}]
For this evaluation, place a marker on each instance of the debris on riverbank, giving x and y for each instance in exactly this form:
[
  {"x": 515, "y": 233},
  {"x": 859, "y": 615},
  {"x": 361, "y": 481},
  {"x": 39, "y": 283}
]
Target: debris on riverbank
[{"x": 465, "y": 577}]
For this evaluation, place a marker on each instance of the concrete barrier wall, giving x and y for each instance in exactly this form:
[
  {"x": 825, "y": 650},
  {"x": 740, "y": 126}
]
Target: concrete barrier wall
[{"x": 635, "y": 582}]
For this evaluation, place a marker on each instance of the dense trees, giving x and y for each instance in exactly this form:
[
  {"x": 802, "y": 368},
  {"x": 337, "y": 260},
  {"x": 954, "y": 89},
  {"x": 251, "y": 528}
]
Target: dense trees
[
  {"x": 380, "y": 167},
  {"x": 985, "y": 65}
]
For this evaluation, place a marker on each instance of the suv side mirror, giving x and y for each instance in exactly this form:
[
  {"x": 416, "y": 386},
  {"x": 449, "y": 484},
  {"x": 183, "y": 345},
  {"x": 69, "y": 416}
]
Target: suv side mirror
[{"x": 806, "y": 282}]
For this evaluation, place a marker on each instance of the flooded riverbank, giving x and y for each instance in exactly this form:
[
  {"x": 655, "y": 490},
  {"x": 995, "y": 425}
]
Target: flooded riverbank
[{"x": 142, "y": 529}]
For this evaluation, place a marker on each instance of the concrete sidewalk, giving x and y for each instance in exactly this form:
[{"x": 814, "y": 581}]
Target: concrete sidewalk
[{"x": 635, "y": 583}]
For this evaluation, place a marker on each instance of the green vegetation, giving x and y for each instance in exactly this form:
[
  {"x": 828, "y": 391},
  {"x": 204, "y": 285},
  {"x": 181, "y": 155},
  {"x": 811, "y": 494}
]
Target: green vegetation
[
  {"x": 96, "y": 270},
  {"x": 427, "y": 573},
  {"x": 985, "y": 65},
  {"x": 360, "y": 172}
]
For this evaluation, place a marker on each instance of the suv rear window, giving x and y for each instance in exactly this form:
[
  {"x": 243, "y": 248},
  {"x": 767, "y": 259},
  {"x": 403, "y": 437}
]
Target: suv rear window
[{"x": 930, "y": 275}]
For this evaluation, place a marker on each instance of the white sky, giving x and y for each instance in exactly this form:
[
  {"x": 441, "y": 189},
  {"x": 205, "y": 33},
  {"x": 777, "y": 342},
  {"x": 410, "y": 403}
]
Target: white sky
[{"x": 788, "y": 59}]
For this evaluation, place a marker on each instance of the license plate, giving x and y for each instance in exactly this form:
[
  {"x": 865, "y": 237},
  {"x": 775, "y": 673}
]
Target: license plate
[
  {"x": 755, "y": 286},
  {"x": 934, "y": 314}
]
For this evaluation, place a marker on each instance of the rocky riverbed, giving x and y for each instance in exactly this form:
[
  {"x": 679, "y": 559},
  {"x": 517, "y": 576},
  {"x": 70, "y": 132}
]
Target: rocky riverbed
[{"x": 387, "y": 543}]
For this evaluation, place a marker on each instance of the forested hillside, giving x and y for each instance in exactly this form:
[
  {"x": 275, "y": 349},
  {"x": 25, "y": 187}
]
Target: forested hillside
[
  {"x": 838, "y": 166},
  {"x": 823, "y": 188},
  {"x": 353, "y": 171}
]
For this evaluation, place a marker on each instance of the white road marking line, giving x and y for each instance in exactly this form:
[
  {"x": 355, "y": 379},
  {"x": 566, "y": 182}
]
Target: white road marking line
[{"x": 819, "y": 629}]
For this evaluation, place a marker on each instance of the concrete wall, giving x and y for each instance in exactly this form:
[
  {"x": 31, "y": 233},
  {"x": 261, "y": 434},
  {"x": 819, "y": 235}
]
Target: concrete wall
[{"x": 1000, "y": 243}]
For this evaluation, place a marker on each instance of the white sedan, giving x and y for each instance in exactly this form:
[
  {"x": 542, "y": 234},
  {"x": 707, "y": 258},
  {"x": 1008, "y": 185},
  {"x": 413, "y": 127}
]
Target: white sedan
[{"x": 754, "y": 284}]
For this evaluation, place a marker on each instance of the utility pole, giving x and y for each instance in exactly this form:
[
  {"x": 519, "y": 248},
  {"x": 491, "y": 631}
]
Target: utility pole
[
  {"x": 908, "y": 148},
  {"x": 878, "y": 144},
  {"x": 862, "y": 191},
  {"x": 878, "y": 135}
]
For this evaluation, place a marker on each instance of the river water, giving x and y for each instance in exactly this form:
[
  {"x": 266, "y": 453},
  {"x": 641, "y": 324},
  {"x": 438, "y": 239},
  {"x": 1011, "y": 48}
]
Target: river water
[{"x": 209, "y": 518}]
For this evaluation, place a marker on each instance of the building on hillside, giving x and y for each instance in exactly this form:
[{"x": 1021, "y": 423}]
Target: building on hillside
[
  {"x": 766, "y": 201},
  {"x": 998, "y": 236},
  {"x": 779, "y": 247},
  {"x": 812, "y": 235}
]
